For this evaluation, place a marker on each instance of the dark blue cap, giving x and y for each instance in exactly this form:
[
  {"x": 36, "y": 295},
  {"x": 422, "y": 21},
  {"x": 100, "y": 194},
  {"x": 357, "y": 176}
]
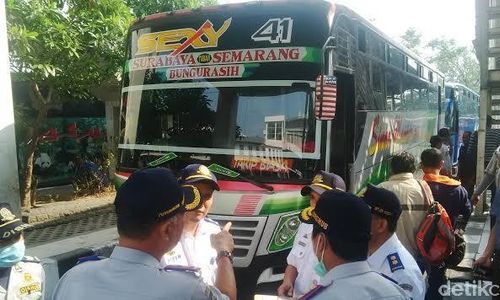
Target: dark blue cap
[
  {"x": 151, "y": 194},
  {"x": 341, "y": 216},
  {"x": 382, "y": 202},
  {"x": 324, "y": 181},
  {"x": 195, "y": 173},
  {"x": 10, "y": 224}
]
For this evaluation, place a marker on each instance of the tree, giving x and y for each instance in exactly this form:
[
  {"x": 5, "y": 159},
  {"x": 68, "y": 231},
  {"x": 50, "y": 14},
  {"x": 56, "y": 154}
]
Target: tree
[
  {"x": 457, "y": 63},
  {"x": 143, "y": 8},
  {"x": 412, "y": 40},
  {"x": 62, "y": 48}
]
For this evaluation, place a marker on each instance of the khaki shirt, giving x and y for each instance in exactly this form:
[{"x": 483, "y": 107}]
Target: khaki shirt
[
  {"x": 26, "y": 281},
  {"x": 411, "y": 196}
]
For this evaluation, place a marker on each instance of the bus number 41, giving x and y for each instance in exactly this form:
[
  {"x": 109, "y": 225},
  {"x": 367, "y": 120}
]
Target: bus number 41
[{"x": 275, "y": 31}]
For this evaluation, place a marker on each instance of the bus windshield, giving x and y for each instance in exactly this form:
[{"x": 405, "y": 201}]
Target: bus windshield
[
  {"x": 263, "y": 131},
  {"x": 243, "y": 118}
]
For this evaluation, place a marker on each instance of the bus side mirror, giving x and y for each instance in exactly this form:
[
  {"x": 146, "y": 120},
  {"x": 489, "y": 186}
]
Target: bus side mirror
[{"x": 326, "y": 97}]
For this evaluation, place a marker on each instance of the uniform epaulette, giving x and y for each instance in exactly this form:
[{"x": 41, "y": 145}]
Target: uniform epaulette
[
  {"x": 318, "y": 289},
  {"x": 212, "y": 221},
  {"x": 187, "y": 269},
  {"x": 31, "y": 259},
  {"x": 388, "y": 278},
  {"x": 89, "y": 258},
  {"x": 395, "y": 262}
]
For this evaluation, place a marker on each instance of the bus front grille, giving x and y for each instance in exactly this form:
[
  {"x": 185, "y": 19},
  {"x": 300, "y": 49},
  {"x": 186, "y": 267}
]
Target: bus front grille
[{"x": 246, "y": 232}]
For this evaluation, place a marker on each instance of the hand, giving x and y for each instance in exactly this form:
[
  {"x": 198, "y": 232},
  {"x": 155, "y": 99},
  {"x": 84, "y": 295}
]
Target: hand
[
  {"x": 285, "y": 289},
  {"x": 483, "y": 261},
  {"x": 223, "y": 241},
  {"x": 474, "y": 199}
]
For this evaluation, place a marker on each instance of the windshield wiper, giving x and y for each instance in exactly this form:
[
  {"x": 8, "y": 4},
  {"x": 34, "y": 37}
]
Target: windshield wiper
[
  {"x": 165, "y": 158},
  {"x": 233, "y": 174}
]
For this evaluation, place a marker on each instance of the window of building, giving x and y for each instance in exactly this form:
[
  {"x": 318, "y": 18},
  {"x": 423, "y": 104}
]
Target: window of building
[{"x": 275, "y": 130}]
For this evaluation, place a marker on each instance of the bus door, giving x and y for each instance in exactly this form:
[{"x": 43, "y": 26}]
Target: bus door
[{"x": 342, "y": 141}]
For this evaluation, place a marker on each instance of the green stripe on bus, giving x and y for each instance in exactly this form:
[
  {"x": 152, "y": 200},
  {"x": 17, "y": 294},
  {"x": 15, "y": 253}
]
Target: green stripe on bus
[
  {"x": 312, "y": 55},
  {"x": 280, "y": 205},
  {"x": 380, "y": 174}
]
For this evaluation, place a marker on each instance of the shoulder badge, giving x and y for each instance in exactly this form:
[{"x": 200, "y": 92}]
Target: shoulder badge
[
  {"x": 30, "y": 259},
  {"x": 89, "y": 258},
  {"x": 406, "y": 286},
  {"x": 395, "y": 262},
  {"x": 187, "y": 269},
  {"x": 315, "y": 291}
]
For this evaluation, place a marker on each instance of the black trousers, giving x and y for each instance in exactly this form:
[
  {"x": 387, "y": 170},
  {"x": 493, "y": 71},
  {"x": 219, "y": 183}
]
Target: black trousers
[
  {"x": 437, "y": 277},
  {"x": 496, "y": 274}
]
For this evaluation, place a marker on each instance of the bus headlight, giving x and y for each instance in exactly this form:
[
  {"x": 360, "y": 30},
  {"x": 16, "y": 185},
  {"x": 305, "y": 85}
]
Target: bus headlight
[{"x": 285, "y": 232}]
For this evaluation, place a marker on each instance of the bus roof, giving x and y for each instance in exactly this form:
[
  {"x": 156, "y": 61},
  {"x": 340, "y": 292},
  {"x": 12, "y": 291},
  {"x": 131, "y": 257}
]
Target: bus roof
[
  {"x": 456, "y": 85},
  {"x": 223, "y": 8},
  {"x": 348, "y": 11}
]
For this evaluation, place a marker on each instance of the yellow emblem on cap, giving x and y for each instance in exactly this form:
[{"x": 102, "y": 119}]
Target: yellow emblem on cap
[
  {"x": 318, "y": 179},
  {"x": 197, "y": 197},
  {"x": 6, "y": 215},
  {"x": 305, "y": 214},
  {"x": 203, "y": 170}
]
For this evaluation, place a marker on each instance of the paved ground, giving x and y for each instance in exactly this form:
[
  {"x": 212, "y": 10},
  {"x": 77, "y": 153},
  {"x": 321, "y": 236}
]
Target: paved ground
[
  {"x": 59, "y": 220},
  {"x": 96, "y": 221},
  {"x": 51, "y": 212}
]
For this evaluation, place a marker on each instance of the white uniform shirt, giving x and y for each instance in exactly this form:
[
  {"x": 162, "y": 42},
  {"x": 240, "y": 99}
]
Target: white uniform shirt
[
  {"x": 302, "y": 257},
  {"x": 26, "y": 281},
  {"x": 131, "y": 274},
  {"x": 355, "y": 280},
  {"x": 393, "y": 260},
  {"x": 196, "y": 251}
]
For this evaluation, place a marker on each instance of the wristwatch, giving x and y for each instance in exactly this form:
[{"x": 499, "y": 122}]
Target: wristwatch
[{"x": 225, "y": 253}]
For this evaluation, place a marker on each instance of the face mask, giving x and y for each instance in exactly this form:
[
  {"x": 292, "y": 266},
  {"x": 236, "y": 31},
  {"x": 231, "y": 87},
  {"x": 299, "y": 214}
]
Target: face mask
[
  {"x": 320, "y": 267},
  {"x": 12, "y": 254}
]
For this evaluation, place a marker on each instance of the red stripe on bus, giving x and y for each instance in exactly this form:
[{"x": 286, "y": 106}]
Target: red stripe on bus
[
  {"x": 247, "y": 205},
  {"x": 124, "y": 174},
  {"x": 226, "y": 185}
]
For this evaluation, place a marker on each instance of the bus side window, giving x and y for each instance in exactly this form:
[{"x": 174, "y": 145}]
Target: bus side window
[
  {"x": 393, "y": 89},
  {"x": 361, "y": 39},
  {"x": 378, "y": 87}
]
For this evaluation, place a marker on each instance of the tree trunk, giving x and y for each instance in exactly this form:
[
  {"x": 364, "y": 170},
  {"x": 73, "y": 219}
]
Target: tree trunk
[{"x": 41, "y": 104}]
